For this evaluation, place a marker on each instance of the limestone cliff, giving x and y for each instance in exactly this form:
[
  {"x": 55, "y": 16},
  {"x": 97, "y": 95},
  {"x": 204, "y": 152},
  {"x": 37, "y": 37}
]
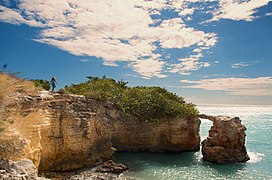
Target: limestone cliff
[
  {"x": 63, "y": 132},
  {"x": 170, "y": 135},
  {"x": 226, "y": 140}
]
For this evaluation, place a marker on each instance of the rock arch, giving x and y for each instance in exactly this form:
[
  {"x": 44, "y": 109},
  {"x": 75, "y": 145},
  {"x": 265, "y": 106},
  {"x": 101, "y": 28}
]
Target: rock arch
[{"x": 226, "y": 140}]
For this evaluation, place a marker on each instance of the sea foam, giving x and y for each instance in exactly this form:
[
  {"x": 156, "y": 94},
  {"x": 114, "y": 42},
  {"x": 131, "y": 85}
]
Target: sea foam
[{"x": 255, "y": 157}]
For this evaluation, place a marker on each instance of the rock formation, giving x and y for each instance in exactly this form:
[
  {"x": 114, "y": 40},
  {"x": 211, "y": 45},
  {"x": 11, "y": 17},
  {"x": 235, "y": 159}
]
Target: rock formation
[
  {"x": 111, "y": 167},
  {"x": 170, "y": 135},
  {"x": 226, "y": 140},
  {"x": 23, "y": 169},
  {"x": 61, "y": 132}
]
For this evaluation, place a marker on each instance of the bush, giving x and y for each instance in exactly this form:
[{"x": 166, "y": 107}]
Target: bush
[
  {"x": 145, "y": 103},
  {"x": 154, "y": 103},
  {"x": 40, "y": 83},
  {"x": 101, "y": 89}
]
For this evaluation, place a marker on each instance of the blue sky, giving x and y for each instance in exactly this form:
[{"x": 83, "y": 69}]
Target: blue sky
[{"x": 213, "y": 51}]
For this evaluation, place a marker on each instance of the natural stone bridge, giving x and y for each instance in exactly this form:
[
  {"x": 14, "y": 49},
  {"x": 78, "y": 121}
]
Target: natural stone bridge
[
  {"x": 226, "y": 140},
  {"x": 62, "y": 132}
]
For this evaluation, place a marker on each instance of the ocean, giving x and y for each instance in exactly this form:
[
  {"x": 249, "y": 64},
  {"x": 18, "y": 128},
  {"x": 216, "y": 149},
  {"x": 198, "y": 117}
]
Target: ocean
[{"x": 189, "y": 165}]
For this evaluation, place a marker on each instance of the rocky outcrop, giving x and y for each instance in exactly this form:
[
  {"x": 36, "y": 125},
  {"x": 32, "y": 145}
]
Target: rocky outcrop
[
  {"x": 226, "y": 140},
  {"x": 111, "y": 167},
  {"x": 58, "y": 132},
  {"x": 23, "y": 169},
  {"x": 61, "y": 132}
]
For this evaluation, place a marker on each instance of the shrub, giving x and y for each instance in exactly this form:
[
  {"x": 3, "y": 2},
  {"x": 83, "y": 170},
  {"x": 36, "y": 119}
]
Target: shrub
[
  {"x": 145, "y": 103},
  {"x": 63, "y": 91},
  {"x": 40, "y": 83}
]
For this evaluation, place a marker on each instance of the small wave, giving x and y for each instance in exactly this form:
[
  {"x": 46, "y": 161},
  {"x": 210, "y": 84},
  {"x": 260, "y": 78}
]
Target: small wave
[{"x": 255, "y": 157}]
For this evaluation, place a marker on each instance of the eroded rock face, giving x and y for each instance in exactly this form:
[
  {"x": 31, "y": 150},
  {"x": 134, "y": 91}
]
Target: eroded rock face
[
  {"x": 62, "y": 132},
  {"x": 172, "y": 135},
  {"x": 226, "y": 141}
]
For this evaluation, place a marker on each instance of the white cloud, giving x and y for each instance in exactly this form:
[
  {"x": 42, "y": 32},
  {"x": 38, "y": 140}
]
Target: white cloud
[
  {"x": 261, "y": 86},
  {"x": 238, "y": 9},
  {"x": 188, "y": 64},
  {"x": 197, "y": 50},
  {"x": 168, "y": 56},
  {"x": 123, "y": 31},
  {"x": 243, "y": 64},
  {"x": 191, "y": 37},
  {"x": 174, "y": 34},
  {"x": 110, "y": 63},
  {"x": 240, "y": 64},
  {"x": 84, "y": 60},
  {"x": 185, "y": 12},
  {"x": 148, "y": 68},
  {"x": 188, "y": 18},
  {"x": 14, "y": 17},
  {"x": 186, "y": 67}
]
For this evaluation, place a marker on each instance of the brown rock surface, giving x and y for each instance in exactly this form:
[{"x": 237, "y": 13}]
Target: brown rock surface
[
  {"x": 226, "y": 140},
  {"x": 62, "y": 132},
  {"x": 111, "y": 167},
  {"x": 23, "y": 169},
  {"x": 170, "y": 135}
]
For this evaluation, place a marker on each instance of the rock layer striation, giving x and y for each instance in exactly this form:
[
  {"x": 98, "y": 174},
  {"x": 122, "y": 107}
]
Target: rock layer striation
[{"x": 226, "y": 140}]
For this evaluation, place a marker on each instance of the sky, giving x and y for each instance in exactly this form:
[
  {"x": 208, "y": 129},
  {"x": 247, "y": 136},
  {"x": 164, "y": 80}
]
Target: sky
[{"x": 208, "y": 51}]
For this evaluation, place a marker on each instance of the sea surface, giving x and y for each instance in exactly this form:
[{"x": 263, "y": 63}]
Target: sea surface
[{"x": 189, "y": 165}]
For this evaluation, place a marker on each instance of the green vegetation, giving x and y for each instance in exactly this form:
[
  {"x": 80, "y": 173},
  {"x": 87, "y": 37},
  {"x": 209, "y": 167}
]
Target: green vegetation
[
  {"x": 40, "y": 83},
  {"x": 145, "y": 103}
]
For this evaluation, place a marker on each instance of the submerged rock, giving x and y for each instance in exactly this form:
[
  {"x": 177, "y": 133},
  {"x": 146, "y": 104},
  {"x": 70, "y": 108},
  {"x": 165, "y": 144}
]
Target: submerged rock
[
  {"x": 226, "y": 140},
  {"x": 109, "y": 170},
  {"x": 111, "y": 167}
]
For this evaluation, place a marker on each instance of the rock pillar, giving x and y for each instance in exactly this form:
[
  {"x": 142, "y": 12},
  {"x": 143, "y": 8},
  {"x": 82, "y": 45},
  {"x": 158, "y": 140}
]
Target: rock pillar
[{"x": 226, "y": 140}]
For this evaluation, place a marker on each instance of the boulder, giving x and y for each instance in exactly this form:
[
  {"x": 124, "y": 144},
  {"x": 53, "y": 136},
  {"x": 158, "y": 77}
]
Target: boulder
[{"x": 111, "y": 167}]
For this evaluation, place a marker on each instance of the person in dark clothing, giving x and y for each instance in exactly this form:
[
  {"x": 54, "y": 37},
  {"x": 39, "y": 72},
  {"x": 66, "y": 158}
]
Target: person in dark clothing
[{"x": 53, "y": 83}]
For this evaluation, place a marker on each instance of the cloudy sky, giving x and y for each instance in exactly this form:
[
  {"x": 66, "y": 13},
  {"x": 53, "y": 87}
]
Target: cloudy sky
[{"x": 209, "y": 51}]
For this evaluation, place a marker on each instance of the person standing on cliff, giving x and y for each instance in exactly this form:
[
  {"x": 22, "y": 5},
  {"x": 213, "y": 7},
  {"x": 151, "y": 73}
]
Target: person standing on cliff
[{"x": 53, "y": 83}]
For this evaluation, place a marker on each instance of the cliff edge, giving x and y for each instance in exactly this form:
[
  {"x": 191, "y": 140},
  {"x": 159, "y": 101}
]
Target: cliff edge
[{"x": 61, "y": 132}]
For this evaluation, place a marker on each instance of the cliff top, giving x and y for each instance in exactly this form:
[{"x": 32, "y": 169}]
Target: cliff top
[{"x": 149, "y": 103}]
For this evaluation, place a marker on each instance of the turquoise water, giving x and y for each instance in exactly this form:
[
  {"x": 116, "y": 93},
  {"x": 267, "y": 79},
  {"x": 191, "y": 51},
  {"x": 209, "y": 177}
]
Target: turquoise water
[{"x": 189, "y": 165}]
